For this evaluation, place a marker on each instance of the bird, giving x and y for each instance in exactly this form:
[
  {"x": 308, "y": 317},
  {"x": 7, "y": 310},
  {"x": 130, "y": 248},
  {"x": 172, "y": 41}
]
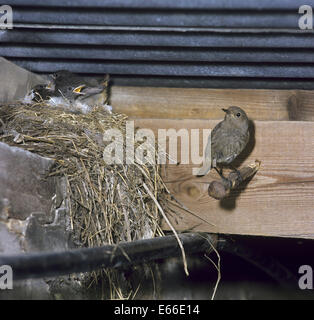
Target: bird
[
  {"x": 63, "y": 77},
  {"x": 226, "y": 141},
  {"x": 38, "y": 93},
  {"x": 78, "y": 94},
  {"x": 72, "y": 87}
]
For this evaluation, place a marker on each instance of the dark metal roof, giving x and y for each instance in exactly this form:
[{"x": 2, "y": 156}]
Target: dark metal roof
[
  {"x": 218, "y": 43},
  {"x": 167, "y": 4}
]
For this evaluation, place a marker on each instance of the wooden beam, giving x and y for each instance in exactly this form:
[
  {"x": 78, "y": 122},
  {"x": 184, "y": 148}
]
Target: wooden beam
[
  {"x": 191, "y": 103},
  {"x": 278, "y": 201}
]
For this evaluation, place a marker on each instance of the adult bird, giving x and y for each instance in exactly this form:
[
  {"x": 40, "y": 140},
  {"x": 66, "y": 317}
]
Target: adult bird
[{"x": 227, "y": 140}]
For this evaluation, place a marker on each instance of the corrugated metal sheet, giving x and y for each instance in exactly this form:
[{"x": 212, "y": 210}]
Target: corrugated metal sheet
[
  {"x": 224, "y": 43},
  {"x": 166, "y": 4}
]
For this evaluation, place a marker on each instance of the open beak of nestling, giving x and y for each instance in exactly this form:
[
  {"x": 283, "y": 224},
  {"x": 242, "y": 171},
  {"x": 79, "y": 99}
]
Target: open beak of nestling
[
  {"x": 78, "y": 89},
  {"x": 50, "y": 85}
]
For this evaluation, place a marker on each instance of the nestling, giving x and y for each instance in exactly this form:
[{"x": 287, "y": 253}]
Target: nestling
[{"x": 76, "y": 93}]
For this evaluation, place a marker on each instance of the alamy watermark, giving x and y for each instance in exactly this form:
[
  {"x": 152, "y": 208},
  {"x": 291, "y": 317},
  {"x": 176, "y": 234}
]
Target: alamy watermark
[
  {"x": 143, "y": 147},
  {"x": 306, "y": 20},
  {"x": 6, "y": 17},
  {"x": 306, "y": 278},
  {"x": 6, "y": 277}
]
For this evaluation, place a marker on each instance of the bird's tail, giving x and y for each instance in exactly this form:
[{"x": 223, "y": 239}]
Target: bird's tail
[{"x": 205, "y": 168}]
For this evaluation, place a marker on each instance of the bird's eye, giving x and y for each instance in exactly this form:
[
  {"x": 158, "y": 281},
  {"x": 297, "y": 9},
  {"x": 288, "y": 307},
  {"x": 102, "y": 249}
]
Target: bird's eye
[
  {"x": 238, "y": 114},
  {"x": 70, "y": 89}
]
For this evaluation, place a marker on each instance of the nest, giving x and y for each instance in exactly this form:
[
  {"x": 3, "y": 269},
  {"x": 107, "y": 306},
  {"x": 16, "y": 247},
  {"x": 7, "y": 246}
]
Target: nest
[{"x": 106, "y": 203}]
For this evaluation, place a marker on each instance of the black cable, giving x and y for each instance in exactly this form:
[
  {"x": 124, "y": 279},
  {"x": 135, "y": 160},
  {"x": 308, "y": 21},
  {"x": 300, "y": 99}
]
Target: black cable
[
  {"x": 41, "y": 264},
  {"x": 49, "y": 264}
]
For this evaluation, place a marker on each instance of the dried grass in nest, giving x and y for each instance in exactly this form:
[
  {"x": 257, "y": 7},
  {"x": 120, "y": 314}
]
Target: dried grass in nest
[{"x": 107, "y": 203}]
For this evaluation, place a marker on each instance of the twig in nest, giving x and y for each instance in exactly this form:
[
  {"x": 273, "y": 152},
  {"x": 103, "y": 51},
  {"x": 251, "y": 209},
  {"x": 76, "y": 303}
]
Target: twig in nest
[
  {"x": 220, "y": 189},
  {"x": 171, "y": 227},
  {"x": 2, "y": 126},
  {"x": 217, "y": 267}
]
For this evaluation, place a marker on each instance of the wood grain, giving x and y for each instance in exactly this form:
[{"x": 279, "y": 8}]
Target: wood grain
[
  {"x": 278, "y": 201},
  {"x": 191, "y": 103}
]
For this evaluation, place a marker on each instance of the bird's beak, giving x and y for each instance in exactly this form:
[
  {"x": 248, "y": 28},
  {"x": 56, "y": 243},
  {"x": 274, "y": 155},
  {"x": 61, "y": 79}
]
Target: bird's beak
[
  {"x": 79, "y": 89},
  {"x": 50, "y": 85},
  {"x": 225, "y": 110}
]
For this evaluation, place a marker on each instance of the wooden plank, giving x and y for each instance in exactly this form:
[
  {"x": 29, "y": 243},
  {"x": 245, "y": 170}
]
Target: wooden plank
[
  {"x": 278, "y": 201},
  {"x": 190, "y": 103}
]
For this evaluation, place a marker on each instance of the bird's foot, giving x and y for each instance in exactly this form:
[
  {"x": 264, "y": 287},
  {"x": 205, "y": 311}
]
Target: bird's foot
[
  {"x": 226, "y": 182},
  {"x": 239, "y": 176}
]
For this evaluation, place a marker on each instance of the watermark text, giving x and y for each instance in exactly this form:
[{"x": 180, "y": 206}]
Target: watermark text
[
  {"x": 6, "y": 277},
  {"x": 6, "y": 17}
]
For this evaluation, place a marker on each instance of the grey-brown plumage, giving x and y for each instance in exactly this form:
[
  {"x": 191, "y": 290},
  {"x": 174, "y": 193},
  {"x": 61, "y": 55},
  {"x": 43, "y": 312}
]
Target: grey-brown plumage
[
  {"x": 41, "y": 92},
  {"x": 73, "y": 87},
  {"x": 76, "y": 93},
  {"x": 227, "y": 140}
]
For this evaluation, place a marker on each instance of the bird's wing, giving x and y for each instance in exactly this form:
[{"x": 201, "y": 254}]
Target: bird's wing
[
  {"x": 227, "y": 144},
  {"x": 207, "y": 160},
  {"x": 207, "y": 163}
]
